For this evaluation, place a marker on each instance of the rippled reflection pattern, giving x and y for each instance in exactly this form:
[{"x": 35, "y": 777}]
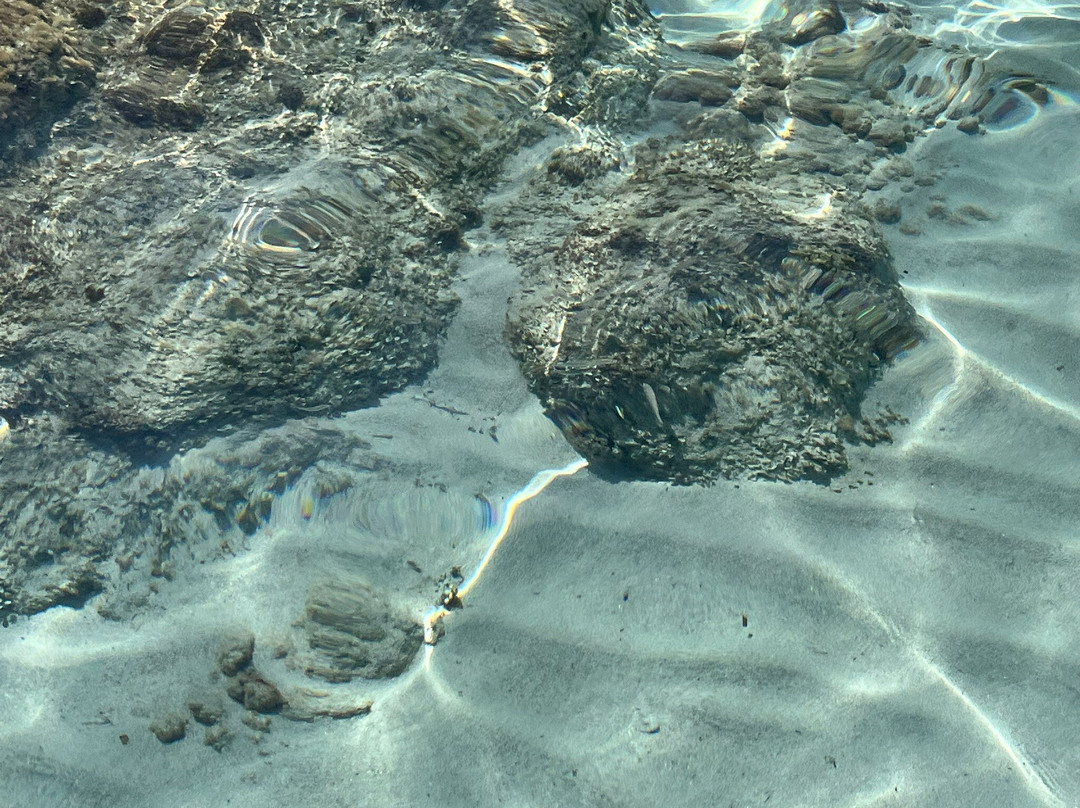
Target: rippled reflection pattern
[
  {"x": 286, "y": 230},
  {"x": 935, "y": 83}
]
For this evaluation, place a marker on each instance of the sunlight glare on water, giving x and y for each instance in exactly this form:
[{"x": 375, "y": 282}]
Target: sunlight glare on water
[
  {"x": 1014, "y": 22},
  {"x": 973, "y": 24},
  {"x": 683, "y": 18}
]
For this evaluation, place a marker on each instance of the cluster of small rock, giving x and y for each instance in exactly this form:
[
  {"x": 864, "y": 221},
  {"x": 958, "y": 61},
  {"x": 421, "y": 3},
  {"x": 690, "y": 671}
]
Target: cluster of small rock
[
  {"x": 244, "y": 685},
  {"x": 259, "y": 698}
]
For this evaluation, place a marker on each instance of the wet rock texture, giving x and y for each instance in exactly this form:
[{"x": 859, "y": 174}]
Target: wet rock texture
[
  {"x": 75, "y": 513},
  {"x": 354, "y": 631},
  {"x": 710, "y": 320},
  {"x": 253, "y": 211},
  {"x": 256, "y": 215},
  {"x": 44, "y": 69},
  {"x": 718, "y": 302}
]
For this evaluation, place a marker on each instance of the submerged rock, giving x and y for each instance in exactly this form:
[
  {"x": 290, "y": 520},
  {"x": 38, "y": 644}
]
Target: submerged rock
[
  {"x": 207, "y": 710},
  {"x": 169, "y": 728},
  {"x": 253, "y": 215},
  {"x": 255, "y": 212},
  {"x": 235, "y": 652},
  {"x": 723, "y": 308},
  {"x": 258, "y": 216},
  {"x": 353, "y": 630},
  {"x": 255, "y": 693},
  {"x": 715, "y": 316},
  {"x": 44, "y": 69}
]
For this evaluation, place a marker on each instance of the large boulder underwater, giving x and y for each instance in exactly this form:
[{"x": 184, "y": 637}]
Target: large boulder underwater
[{"x": 717, "y": 300}]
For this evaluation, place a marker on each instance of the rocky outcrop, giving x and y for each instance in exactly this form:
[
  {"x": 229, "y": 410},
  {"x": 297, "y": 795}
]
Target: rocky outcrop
[
  {"x": 256, "y": 215},
  {"x": 722, "y": 307},
  {"x": 253, "y": 211},
  {"x": 44, "y": 69},
  {"x": 715, "y": 316}
]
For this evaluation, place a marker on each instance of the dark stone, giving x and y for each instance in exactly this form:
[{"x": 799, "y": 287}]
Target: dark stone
[
  {"x": 969, "y": 124},
  {"x": 890, "y": 134},
  {"x": 261, "y": 696},
  {"x": 247, "y": 25},
  {"x": 170, "y": 728},
  {"x": 692, "y": 328},
  {"x": 135, "y": 103},
  {"x": 254, "y": 513},
  {"x": 66, "y": 500},
  {"x": 708, "y": 89},
  {"x": 937, "y": 210},
  {"x": 754, "y": 103},
  {"x": 90, "y": 16},
  {"x": 235, "y": 653},
  {"x": 185, "y": 116},
  {"x": 817, "y": 101},
  {"x": 291, "y": 96},
  {"x": 142, "y": 107}
]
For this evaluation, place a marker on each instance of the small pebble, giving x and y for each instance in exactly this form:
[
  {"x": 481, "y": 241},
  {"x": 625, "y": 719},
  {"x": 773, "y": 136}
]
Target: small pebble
[
  {"x": 235, "y": 652},
  {"x": 169, "y": 728},
  {"x": 969, "y": 125},
  {"x": 216, "y": 737}
]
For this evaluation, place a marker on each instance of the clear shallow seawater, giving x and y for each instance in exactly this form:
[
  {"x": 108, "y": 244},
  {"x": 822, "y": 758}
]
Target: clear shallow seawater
[{"x": 912, "y": 638}]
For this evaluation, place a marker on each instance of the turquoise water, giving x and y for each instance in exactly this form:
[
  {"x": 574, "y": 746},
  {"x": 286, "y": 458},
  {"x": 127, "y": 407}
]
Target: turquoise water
[{"x": 907, "y": 635}]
